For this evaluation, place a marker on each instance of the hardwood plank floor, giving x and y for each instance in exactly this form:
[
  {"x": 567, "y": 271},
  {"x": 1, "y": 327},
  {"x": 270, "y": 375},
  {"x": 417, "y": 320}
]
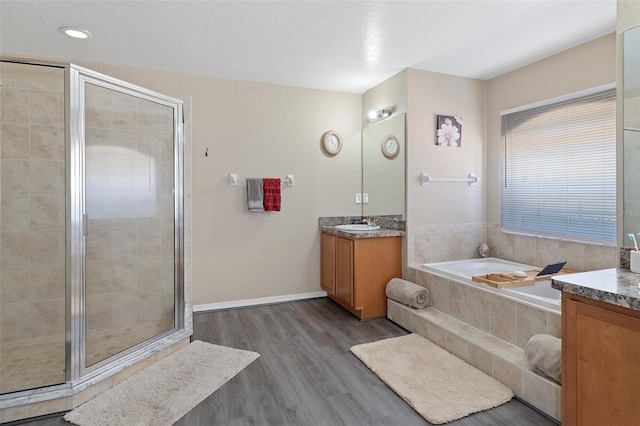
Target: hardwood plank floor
[{"x": 306, "y": 375}]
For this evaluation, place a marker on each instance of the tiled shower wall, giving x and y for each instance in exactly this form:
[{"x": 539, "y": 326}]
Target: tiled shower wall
[
  {"x": 440, "y": 243},
  {"x": 32, "y": 201}
]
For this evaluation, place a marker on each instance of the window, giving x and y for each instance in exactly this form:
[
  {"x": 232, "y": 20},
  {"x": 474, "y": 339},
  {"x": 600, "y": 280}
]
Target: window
[{"x": 559, "y": 167}]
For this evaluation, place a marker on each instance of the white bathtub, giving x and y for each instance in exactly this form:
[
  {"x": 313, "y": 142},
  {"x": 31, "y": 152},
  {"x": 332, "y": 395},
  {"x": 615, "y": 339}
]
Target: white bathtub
[{"x": 539, "y": 294}]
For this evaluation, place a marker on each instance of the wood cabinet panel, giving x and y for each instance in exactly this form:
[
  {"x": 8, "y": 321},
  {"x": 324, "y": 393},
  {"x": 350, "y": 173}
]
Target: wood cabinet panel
[
  {"x": 355, "y": 272},
  {"x": 601, "y": 372},
  {"x": 328, "y": 264}
]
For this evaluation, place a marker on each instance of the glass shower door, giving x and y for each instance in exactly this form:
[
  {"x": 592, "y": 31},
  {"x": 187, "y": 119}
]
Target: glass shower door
[{"x": 129, "y": 219}]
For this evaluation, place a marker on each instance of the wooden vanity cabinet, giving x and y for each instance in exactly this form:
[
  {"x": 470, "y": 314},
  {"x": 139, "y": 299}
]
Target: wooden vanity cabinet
[
  {"x": 600, "y": 363},
  {"x": 355, "y": 271}
]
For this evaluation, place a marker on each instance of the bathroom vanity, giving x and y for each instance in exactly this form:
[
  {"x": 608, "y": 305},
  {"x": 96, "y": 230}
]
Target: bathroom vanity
[
  {"x": 356, "y": 267},
  {"x": 600, "y": 347}
]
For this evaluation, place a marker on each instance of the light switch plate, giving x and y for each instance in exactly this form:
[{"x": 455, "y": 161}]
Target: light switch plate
[
  {"x": 365, "y": 198},
  {"x": 358, "y": 198}
]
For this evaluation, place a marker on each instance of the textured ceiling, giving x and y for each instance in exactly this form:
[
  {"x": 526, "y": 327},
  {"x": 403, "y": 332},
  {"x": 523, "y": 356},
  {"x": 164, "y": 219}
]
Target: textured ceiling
[{"x": 347, "y": 46}]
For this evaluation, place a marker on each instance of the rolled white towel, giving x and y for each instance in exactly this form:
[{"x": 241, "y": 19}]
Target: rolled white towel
[
  {"x": 407, "y": 293},
  {"x": 544, "y": 353}
]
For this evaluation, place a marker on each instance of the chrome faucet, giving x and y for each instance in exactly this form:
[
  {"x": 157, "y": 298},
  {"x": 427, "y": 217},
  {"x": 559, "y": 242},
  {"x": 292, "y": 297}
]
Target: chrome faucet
[{"x": 369, "y": 221}]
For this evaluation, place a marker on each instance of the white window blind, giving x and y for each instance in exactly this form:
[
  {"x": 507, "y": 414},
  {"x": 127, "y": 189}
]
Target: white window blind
[{"x": 559, "y": 169}]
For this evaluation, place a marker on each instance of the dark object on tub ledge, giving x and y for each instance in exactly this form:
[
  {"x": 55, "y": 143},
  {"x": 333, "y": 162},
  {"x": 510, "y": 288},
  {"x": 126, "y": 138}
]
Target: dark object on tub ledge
[{"x": 552, "y": 268}]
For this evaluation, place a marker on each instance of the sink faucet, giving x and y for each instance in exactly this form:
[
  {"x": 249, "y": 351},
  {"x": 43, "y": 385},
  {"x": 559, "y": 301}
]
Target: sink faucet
[{"x": 369, "y": 222}]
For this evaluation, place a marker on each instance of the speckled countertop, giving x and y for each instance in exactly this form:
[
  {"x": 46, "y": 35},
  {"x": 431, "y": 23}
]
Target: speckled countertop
[
  {"x": 379, "y": 233},
  {"x": 391, "y": 226},
  {"x": 616, "y": 286}
]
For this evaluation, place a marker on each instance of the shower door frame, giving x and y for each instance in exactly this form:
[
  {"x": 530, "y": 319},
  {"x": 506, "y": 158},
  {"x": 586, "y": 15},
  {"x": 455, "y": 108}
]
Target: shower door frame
[
  {"x": 77, "y": 377},
  {"x": 77, "y": 225}
]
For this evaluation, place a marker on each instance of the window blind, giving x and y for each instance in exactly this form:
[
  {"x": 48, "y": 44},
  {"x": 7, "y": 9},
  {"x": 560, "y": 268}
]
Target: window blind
[{"x": 559, "y": 169}]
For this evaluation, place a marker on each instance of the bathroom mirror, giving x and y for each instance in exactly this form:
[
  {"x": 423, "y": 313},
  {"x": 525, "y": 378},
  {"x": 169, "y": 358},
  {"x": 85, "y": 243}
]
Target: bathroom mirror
[
  {"x": 631, "y": 148},
  {"x": 383, "y": 176}
]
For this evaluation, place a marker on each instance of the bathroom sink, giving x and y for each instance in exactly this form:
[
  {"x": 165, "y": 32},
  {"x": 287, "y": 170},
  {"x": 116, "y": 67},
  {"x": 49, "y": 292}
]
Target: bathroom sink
[{"x": 357, "y": 227}]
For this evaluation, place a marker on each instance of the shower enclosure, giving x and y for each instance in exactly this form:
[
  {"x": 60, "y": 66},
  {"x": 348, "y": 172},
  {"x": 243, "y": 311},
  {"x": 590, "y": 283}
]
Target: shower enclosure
[{"x": 91, "y": 227}]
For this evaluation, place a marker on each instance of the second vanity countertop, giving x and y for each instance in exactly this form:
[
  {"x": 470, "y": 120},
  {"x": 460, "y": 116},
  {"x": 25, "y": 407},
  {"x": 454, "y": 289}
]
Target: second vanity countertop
[
  {"x": 378, "y": 233},
  {"x": 615, "y": 286}
]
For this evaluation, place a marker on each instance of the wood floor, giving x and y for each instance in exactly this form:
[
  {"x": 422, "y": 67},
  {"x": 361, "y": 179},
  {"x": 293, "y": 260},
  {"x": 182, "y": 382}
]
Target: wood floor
[{"x": 306, "y": 375}]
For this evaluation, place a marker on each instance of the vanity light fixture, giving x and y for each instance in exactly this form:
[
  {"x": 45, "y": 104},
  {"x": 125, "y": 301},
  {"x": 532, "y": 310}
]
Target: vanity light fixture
[
  {"x": 75, "y": 32},
  {"x": 381, "y": 114}
]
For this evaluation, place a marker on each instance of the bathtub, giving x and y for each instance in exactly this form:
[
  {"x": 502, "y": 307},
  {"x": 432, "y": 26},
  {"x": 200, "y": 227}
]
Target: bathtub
[{"x": 540, "y": 294}]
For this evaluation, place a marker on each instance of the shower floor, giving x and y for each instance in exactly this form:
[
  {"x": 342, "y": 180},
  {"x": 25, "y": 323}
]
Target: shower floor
[{"x": 35, "y": 362}]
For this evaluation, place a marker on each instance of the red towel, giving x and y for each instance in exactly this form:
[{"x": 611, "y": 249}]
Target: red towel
[{"x": 272, "y": 198}]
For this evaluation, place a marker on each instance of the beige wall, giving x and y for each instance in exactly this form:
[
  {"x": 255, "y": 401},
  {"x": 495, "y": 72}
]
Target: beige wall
[
  {"x": 260, "y": 130},
  {"x": 445, "y": 219}
]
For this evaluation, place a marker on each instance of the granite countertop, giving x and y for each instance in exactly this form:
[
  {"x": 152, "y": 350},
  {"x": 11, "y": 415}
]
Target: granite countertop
[
  {"x": 615, "y": 286},
  {"x": 379, "y": 233}
]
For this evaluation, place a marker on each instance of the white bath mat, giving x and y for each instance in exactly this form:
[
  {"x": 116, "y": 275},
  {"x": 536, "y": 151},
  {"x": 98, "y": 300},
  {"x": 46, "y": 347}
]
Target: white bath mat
[
  {"x": 162, "y": 393},
  {"x": 438, "y": 385}
]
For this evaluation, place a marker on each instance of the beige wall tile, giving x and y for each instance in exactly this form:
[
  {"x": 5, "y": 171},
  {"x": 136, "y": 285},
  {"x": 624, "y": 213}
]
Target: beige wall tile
[
  {"x": 43, "y": 212},
  {"x": 98, "y": 311},
  {"x": 43, "y": 108},
  {"x": 150, "y": 306},
  {"x": 45, "y": 141},
  {"x": 421, "y": 326},
  {"x": 480, "y": 358},
  {"x": 14, "y": 321},
  {"x": 547, "y": 251},
  {"x": 506, "y": 246},
  {"x": 47, "y": 317},
  {"x": 422, "y": 250},
  {"x": 554, "y": 324},
  {"x": 15, "y": 177},
  {"x": 15, "y": 141},
  {"x": 440, "y": 294},
  {"x": 572, "y": 253},
  {"x": 15, "y": 285},
  {"x": 98, "y": 278},
  {"x": 479, "y": 309},
  {"x": 508, "y": 374},
  {"x": 599, "y": 257},
  {"x": 525, "y": 249},
  {"x": 14, "y": 213},
  {"x": 124, "y": 243},
  {"x": 15, "y": 249},
  {"x": 503, "y": 318},
  {"x": 530, "y": 321},
  {"x": 454, "y": 246},
  {"x": 458, "y": 300},
  {"x": 46, "y": 247},
  {"x": 124, "y": 112},
  {"x": 99, "y": 110},
  {"x": 438, "y": 248},
  {"x": 43, "y": 178},
  {"x": 149, "y": 273},
  {"x": 542, "y": 393},
  {"x": 124, "y": 309},
  {"x": 457, "y": 346},
  {"x": 149, "y": 242},
  {"x": 437, "y": 335},
  {"x": 47, "y": 282},
  {"x": 125, "y": 276},
  {"x": 14, "y": 107}
]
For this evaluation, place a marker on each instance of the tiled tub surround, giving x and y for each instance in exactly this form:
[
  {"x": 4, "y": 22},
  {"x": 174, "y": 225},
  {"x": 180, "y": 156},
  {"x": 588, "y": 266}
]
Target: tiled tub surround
[
  {"x": 440, "y": 243},
  {"x": 487, "y": 329}
]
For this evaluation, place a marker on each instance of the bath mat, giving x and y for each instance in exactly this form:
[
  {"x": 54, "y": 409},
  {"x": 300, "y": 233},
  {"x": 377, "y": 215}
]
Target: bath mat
[
  {"x": 437, "y": 384},
  {"x": 162, "y": 393}
]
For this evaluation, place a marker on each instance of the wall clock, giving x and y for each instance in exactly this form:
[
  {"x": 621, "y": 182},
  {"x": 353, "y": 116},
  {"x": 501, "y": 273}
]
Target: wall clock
[
  {"x": 331, "y": 142},
  {"x": 390, "y": 146}
]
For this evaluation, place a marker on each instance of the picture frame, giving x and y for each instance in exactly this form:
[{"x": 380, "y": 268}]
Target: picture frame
[{"x": 448, "y": 130}]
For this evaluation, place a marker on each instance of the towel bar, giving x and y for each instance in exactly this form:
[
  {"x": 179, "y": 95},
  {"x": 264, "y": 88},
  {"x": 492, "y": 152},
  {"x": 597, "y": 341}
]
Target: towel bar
[
  {"x": 425, "y": 179},
  {"x": 233, "y": 180}
]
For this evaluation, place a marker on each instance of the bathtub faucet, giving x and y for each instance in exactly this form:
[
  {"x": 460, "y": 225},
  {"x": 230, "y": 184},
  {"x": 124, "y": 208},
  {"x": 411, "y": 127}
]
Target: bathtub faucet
[{"x": 483, "y": 250}]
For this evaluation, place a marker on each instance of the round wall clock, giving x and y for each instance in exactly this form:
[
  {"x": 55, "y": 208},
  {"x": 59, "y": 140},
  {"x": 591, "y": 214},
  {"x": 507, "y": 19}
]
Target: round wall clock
[
  {"x": 390, "y": 146},
  {"x": 331, "y": 142}
]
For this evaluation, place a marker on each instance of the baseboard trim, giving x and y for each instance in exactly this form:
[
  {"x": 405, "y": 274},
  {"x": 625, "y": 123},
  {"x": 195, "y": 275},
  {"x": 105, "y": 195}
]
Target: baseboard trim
[{"x": 257, "y": 302}]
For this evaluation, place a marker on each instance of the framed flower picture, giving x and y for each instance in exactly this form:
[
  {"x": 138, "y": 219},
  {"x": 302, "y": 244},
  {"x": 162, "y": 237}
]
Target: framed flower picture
[{"x": 449, "y": 131}]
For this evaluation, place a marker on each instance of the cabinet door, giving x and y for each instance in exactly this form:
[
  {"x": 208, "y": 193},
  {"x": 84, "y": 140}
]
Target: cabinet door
[
  {"x": 328, "y": 263},
  {"x": 344, "y": 270},
  {"x": 601, "y": 371}
]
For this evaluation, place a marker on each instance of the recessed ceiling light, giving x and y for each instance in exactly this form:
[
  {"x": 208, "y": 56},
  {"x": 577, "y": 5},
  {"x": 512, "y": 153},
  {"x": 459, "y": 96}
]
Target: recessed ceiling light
[{"x": 75, "y": 32}]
